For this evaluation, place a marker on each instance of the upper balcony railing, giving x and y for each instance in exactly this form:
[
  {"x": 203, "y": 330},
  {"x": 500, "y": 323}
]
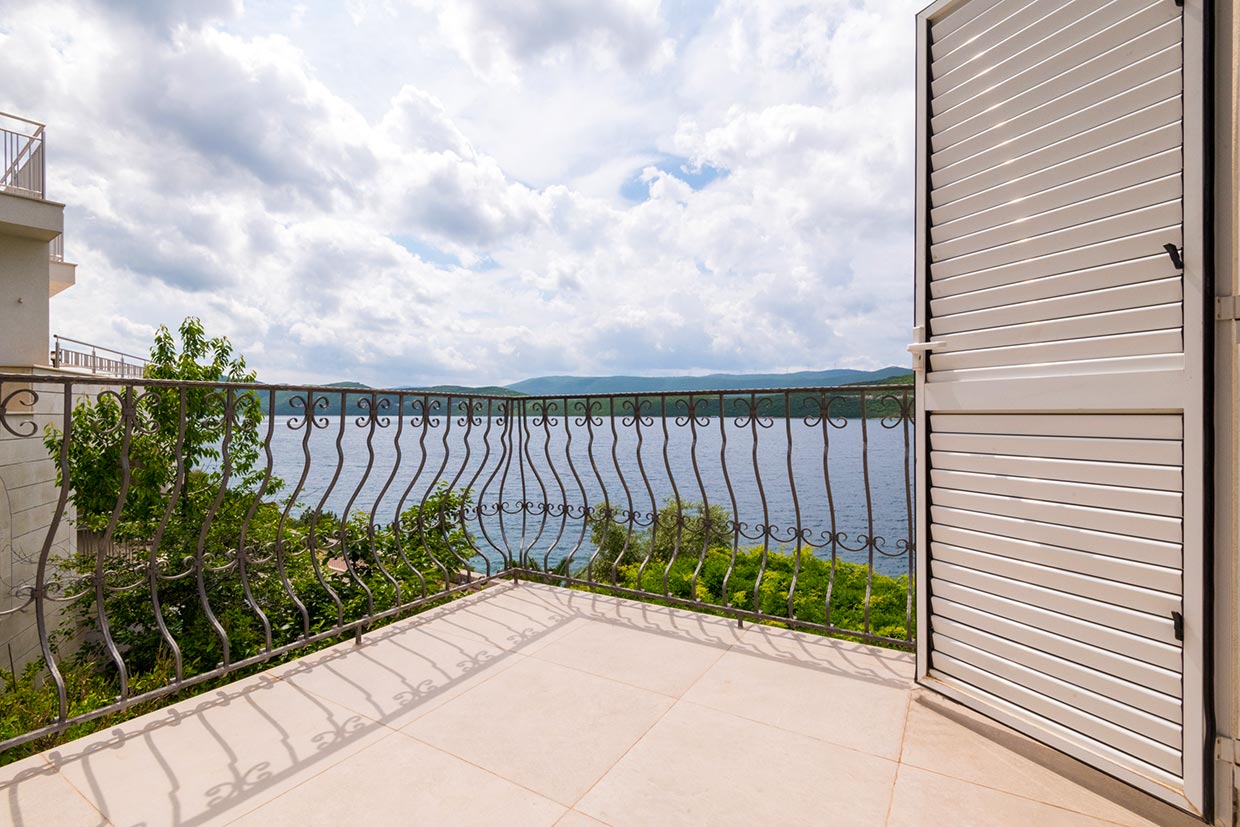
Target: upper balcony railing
[
  {"x": 22, "y": 156},
  {"x": 97, "y": 359},
  {"x": 257, "y": 521},
  {"x": 56, "y": 248}
]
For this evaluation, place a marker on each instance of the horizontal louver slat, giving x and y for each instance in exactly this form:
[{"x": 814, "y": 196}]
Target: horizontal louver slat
[
  {"x": 1137, "y": 500},
  {"x": 1161, "y": 317},
  {"x": 1128, "y": 716},
  {"x": 1152, "y": 552},
  {"x": 1158, "y": 578},
  {"x": 1005, "y": 175},
  {"x": 1148, "y": 193},
  {"x": 969, "y": 21},
  {"x": 1131, "y": 743},
  {"x": 1043, "y": 247},
  {"x": 1133, "y": 344},
  {"x": 1128, "y": 426},
  {"x": 1154, "y": 477},
  {"x": 1163, "y": 681},
  {"x": 1145, "y": 294},
  {"x": 1003, "y": 46},
  {"x": 1137, "y": 271},
  {"x": 1097, "y": 589},
  {"x": 1149, "y": 526},
  {"x": 1154, "y": 666},
  {"x": 1140, "y": 451},
  {"x": 1068, "y": 35},
  {"x": 1091, "y": 83},
  {"x": 1104, "y": 614}
]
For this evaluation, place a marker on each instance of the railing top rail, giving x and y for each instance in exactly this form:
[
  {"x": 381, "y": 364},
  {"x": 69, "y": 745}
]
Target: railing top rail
[
  {"x": 10, "y": 115},
  {"x": 415, "y": 392},
  {"x": 92, "y": 346}
]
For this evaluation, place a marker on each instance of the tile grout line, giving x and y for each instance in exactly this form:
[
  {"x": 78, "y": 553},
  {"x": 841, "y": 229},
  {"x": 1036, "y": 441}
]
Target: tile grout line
[
  {"x": 48, "y": 763},
  {"x": 307, "y": 780},
  {"x": 490, "y": 772},
  {"x": 676, "y": 702},
  {"x": 891, "y": 800},
  {"x": 778, "y": 728},
  {"x": 1066, "y": 809}
]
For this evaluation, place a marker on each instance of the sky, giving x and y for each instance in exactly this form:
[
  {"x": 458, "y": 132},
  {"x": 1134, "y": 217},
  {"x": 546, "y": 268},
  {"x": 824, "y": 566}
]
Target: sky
[{"x": 412, "y": 192}]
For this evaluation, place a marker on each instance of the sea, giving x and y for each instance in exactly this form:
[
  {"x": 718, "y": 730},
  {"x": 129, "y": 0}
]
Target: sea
[{"x": 788, "y": 482}]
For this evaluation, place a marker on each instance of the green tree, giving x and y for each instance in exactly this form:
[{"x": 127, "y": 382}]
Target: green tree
[{"x": 151, "y": 435}]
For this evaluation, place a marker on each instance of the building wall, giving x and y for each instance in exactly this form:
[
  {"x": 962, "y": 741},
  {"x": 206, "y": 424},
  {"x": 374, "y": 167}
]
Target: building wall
[
  {"x": 28, "y": 500},
  {"x": 23, "y": 301}
]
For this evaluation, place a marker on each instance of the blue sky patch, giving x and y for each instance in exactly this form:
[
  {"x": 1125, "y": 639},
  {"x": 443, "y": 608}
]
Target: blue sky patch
[
  {"x": 635, "y": 189},
  {"x": 427, "y": 252}
]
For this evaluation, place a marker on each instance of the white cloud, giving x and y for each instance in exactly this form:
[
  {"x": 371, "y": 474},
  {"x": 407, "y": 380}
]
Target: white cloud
[{"x": 420, "y": 192}]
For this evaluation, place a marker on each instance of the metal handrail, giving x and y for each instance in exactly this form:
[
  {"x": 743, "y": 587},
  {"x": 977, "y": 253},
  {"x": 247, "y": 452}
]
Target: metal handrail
[
  {"x": 22, "y": 157},
  {"x": 126, "y": 366}
]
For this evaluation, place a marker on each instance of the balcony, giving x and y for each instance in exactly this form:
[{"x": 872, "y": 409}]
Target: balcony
[
  {"x": 537, "y": 705},
  {"x": 72, "y": 354},
  {"x": 391, "y": 605},
  {"x": 21, "y": 153}
]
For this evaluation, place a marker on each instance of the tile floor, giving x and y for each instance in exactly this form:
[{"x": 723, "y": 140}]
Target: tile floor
[{"x": 532, "y": 705}]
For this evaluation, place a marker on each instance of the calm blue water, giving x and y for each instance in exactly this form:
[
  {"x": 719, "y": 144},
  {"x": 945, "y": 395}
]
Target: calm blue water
[{"x": 557, "y": 464}]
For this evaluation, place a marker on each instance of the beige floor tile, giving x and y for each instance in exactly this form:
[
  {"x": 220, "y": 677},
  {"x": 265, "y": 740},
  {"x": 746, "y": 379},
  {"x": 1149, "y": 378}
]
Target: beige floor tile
[
  {"x": 401, "y": 781},
  {"x": 33, "y": 794},
  {"x": 504, "y": 616},
  {"x": 924, "y": 799},
  {"x": 576, "y": 819},
  {"x": 211, "y": 758},
  {"x": 549, "y": 728},
  {"x": 700, "y": 766},
  {"x": 394, "y": 677},
  {"x": 877, "y": 665},
  {"x": 815, "y": 700},
  {"x": 947, "y": 738},
  {"x": 661, "y": 661},
  {"x": 690, "y": 625}
]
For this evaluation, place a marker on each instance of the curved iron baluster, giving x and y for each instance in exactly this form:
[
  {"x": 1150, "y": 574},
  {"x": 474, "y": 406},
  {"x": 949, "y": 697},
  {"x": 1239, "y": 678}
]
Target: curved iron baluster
[
  {"x": 40, "y": 592},
  {"x": 679, "y": 522},
  {"x": 418, "y": 404},
  {"x": 869, "y": 511},
  {"x": 153, "y": 575},
  {"x": 308, "y": 405},
  {"x": 548, "y": 419},
  {"x": 581, "y": 489},
  {"x": 200, "y": 564},
  {"x": 128, "y": 415},
  {"x": 255, "y": 501},
  {"x": 796, "y": 506},
  {"x": 735, "y": 524},
  {"x": 638, "y": 419},
  {"x": 312, "y": 530},
  {"x": 693, "y": 420},
  {"x": 371, "y": 532}
]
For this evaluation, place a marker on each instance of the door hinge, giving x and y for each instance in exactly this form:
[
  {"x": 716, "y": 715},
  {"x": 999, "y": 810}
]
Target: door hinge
[
  {"x": 1178, "y": 620},
  {"x": 1227, "y": 308},
  {"x": 1227, "y": 753}
]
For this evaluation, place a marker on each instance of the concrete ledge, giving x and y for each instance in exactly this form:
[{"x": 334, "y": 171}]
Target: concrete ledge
[{"x": 30, "y": 217}]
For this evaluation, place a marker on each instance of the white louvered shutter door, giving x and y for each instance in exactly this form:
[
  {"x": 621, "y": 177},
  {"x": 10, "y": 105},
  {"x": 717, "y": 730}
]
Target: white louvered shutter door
[{"x": 1060, "y": 407}]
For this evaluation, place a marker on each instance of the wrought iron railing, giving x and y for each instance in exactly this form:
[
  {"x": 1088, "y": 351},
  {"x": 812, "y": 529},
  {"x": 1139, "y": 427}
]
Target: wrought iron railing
[
  {"x": 21, "y": 156},
  {"x": 259, "y": 520},
  {"x": 98, "y": 359}
]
